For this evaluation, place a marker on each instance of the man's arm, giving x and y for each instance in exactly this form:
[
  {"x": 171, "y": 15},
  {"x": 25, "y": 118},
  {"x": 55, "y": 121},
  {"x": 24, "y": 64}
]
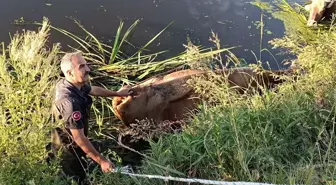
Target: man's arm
[
  {"x": 83, "y": 142},
  {"x": 74, "y": 121},
  {"x": 98, "y": 91}
]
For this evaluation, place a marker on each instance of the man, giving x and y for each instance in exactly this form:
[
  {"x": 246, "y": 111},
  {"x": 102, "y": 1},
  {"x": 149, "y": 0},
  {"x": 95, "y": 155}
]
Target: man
[{"x": 71, "y": 106}]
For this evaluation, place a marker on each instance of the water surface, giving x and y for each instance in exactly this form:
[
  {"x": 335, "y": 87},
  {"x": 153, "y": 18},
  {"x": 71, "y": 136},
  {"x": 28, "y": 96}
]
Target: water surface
[{"x": 234, "y": 20}]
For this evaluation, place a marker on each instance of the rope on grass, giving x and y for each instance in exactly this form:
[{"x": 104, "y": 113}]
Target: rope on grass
[{"x": 126, "y": 171}]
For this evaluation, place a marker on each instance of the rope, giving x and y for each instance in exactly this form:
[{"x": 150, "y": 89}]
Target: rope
[{"x": 125, "y": 171}]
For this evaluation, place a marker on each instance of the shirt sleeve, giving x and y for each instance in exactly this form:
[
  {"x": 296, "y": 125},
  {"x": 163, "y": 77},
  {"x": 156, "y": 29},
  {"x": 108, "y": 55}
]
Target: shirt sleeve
[{"x": 71, "y": 114}]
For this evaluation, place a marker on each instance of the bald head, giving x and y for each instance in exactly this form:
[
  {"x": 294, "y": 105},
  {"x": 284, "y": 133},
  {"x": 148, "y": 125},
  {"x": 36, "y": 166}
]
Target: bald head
[{"x": 74, "y": 67}]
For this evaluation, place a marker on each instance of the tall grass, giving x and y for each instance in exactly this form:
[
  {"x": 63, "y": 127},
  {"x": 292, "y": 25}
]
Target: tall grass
[
  {"x": 112, "y": 66},
  {"x": 284, "y": 137},
  {"x": 294, "y": 18},
  {"x": 27, "y": 79}
]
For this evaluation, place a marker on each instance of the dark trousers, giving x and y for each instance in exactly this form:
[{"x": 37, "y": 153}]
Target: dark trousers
[{"x": 74, "y": 164}]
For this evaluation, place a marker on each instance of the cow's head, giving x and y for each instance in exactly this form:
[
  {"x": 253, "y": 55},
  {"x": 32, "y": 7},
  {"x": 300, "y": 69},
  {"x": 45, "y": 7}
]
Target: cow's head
[
  {"x": 129, "y": 108},
  {"x": 155, "y": 98}
]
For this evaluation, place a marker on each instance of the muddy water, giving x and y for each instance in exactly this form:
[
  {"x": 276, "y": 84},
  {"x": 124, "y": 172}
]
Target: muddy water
[{"x": 234, "y": 21}]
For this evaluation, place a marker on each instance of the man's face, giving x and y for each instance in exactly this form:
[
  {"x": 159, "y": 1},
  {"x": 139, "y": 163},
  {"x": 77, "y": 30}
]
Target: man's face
[{"x": 80, "y": 72}]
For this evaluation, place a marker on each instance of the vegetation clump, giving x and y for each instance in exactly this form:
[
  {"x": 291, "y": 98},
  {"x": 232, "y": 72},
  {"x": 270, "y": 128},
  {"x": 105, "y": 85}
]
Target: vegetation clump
[{"x": 28, "y": 74}]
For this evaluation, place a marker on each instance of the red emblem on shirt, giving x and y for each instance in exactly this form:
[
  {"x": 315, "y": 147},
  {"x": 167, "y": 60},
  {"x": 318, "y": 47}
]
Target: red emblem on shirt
[{"x": 76, "y": 115}]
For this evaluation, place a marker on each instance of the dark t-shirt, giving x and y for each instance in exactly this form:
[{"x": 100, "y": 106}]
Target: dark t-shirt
[{"x": 71, "y": 107}]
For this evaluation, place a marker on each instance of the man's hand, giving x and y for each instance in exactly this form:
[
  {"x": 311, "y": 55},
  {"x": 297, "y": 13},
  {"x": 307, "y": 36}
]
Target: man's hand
[
  {"x": 98, "y": 91},
  {"x": 125, "y": 93},
  {"x": 83, "y": 142},
  {"x": 107, "y": 166}
]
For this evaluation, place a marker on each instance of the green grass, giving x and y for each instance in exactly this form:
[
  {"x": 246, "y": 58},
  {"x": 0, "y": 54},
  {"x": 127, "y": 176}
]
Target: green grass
[{"x": 27, "y": 80}]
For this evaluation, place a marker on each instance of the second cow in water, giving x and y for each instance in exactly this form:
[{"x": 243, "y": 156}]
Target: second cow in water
[{"x": 320, "y": 9}]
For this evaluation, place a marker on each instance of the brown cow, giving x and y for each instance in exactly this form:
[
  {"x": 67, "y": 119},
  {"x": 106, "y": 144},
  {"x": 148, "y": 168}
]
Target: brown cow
[
  {"x": 319, "y": 9},
  {"x": 169, "y": 97}
]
